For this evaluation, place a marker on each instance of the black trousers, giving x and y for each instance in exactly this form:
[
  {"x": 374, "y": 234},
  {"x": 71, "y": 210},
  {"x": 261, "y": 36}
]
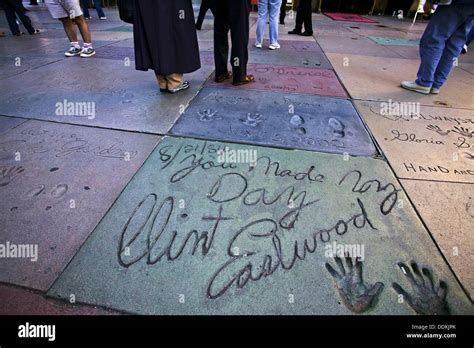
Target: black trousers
[
  {"x": 15, "y": 8},
  {"x": 231, "y": 15},
  {"x": 283, "y": 11},
  {"x": 206, "y": 5},
  {"x": 303, "y": 16}
]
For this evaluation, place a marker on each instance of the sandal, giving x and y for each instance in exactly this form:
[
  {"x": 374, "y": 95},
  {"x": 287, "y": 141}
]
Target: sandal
[{"x": 247, "y": 79}]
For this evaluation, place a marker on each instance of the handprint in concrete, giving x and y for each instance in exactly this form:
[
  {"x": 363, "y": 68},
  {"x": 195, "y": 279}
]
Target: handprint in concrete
[
  {"x": 7, "y": 174},
  {"x": 426, "y": 299},
  {"x": 357, "y": 295}
]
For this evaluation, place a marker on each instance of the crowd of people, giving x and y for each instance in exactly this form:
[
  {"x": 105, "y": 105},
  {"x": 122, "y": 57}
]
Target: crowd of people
[{"x": 166, "y": 40}]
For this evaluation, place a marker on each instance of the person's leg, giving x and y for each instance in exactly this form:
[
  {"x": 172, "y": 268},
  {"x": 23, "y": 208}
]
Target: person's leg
[
  {"x": 98, "y": 8},
  {"x": 299, "y": 20},
  {"x": 283, "y": 12},
  {"x": 70, "y": 29},
  {"x": 470, "y": 37},
  {"x": 441, "y": 27},
  {"x": 239, "y": 11},
  {"x": 202, "y": 13},
  {"x": 307, "y": 17},
  {"x": 262, "y": 20},
  {"x": 85, "y": 8},
  {"x": 174, "y": 81},
  {"x": 162, "y": 82},
  {"x": 221, "y": 41},
  {"x": 274, "y": 10},
  {"x": 20, "y": 12},
  {"x": 452, "y": 51},
  {"x": 84, "y": 29},
  {"x": 11, "y": 17}
]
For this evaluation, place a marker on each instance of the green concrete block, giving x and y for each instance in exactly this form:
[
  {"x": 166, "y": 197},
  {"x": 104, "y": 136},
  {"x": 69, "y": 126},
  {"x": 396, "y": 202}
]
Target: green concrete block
[
  {"x": 191, "y": 234},
  {"x": 391, "y": 41}
]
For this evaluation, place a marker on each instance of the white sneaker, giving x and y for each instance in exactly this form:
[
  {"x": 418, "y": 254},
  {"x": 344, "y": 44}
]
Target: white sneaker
[
  {"x": 73, "y": 51},
  {"x": 274, "y": 46},
  {"x": 413, "y": 86},
  {"x": 87, "y": 52},
  {"x": 103, "y": 18},
  {"x": 435, "y": 90},
  {"x": 258, "y": 44}
]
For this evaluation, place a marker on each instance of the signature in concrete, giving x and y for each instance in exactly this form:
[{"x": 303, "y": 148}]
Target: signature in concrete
[{"x": 262, "y": 245}]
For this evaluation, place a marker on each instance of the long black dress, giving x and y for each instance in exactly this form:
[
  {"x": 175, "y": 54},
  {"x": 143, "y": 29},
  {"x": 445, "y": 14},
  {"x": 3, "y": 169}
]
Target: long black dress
[{"x": 165, "y": 37}]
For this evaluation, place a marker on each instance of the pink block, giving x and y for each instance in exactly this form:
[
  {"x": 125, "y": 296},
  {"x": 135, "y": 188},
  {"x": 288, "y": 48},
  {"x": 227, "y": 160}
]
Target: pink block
[
  {"x": 348, "y": 17},
  {"x": 16, "y": 301},
  {"x": 290, "y": 80}
]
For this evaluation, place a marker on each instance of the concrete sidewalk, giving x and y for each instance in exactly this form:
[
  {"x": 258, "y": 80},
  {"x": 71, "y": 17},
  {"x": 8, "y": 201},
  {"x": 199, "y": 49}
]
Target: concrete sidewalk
[{"x": 225, "y": 200}]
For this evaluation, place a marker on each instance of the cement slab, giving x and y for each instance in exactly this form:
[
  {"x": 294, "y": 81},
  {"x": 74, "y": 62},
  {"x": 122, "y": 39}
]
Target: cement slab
[
  {"x": 375, "y": 34},
  {"x": 426, "y": 143},
  {"x": 393, "y": 41},
  {"x": 56, "y": 184},
  {"x": 193, "y": 235},
  {"x": 122, "y": 98},
  {"x": 349, "y": 17},
  {"x": 290, "y": 80},
  {"x": 287, "y": 57},
  {"x": 16, "y": 301},
  {"x": 448, "y": 211},
  {"x": 7, "y": 123},
  {"x": 378, "y": 78},
  {"x": 116, "y": 52},
  {"x": 354, "y": 45},
  {"x": 49, "y": 48},
  {"x": 273, "y": 119},
  {"x": 11, "y": 66}
]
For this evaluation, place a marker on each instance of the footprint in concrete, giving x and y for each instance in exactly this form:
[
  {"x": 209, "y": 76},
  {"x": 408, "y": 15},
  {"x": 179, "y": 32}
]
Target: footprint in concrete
[
  {"x": 59, "y": 191},
  {"x": 297, "y": 123},
  {"x": 337, "y": 128},
  {"x": 426, "y": 299},
  {"x": 35, "y": 192},
  {"x": 8, "y": 174},
  {"x": 357, "y": 295}
]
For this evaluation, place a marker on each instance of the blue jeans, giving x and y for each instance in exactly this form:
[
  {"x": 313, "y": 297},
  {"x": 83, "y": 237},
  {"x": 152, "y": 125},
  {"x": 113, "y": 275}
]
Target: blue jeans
[
  {"x": 97, "y": 5},
  {"x": 265, "y": 8},
  {"x": 442, "y": 42}
]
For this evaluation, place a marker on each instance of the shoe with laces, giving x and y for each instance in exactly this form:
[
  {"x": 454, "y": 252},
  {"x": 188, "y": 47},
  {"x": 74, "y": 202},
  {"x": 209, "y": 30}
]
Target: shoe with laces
[
  {"x": 103, "y": 18},
  {"x": 73, "y": 51},
  {"x": 184, "y": 85},
  {"x": 274, "y": 46},
  {"x": 258, "y": 44},
  {"x": 413, "y": 86},
  {"x": 87, "y": 52}
]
